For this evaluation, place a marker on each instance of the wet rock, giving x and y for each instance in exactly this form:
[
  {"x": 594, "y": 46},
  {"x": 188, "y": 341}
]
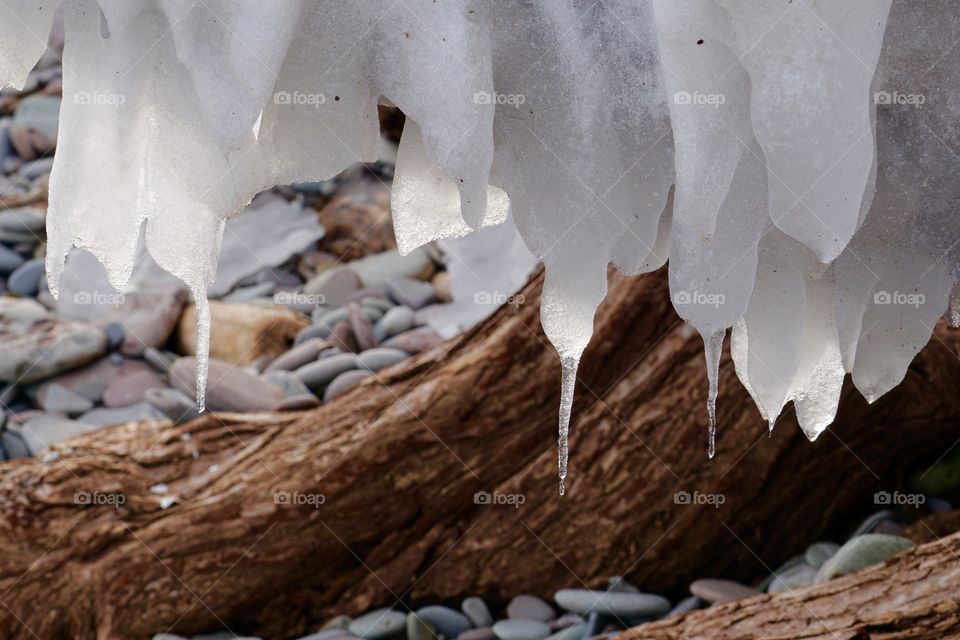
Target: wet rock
[
  {"x": 35, "y": 345},
  {"x": 229, "y": 388},
  {"x": 343, "y": 383}
]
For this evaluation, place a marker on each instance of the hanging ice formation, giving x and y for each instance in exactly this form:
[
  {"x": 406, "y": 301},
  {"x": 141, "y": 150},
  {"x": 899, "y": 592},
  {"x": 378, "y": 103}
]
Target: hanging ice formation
[{"x": 797, "y": 161}]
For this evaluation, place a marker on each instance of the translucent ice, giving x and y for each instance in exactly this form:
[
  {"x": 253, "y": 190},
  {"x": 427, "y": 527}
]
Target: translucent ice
[{"x": 796, "y": 161}]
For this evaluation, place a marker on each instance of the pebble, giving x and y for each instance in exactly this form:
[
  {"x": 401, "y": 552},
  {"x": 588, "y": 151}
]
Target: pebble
[
  {"x": 573, "y": 632},
  {"x": 442, "y": 287},
  {"x": 380, "y": 358},
  {"x": 520, "y": 629},
  {"x": 27, "y": 220},
  {"x": 42, "y": 431},
  {"x": 35, "y": 345},
  {"x": 10, "y": 260},
  {"x": 57, "y": 398},
  {"x": 361, "y": 326},
  {"x": 585, "y": 601},
  {"x": 341, "y": 335},
  {"x": 14, "y": 445},
  {"x": 343, "y": 383},
  {"x": 317, "y": 375},
  {"x": 333, "y": 287},
  {"x": 311, "y": 332},
  {"x": 378, "y": 269},
  {"x": 395, "y": 320},
  {"x": 714, "y": 591},
  {"x": 301, "y": 354},
  {"x": 530, "y": 607},
  {"x": 477, "y": 611},
  {"x": 105, "y": 417},
  {"x": 288, "y": 382},
  {"x": 419, "y": 629},
  {"x": 341, "y": 622},
  {"x": 40, "y": 113},
  {"x": 159, "y": 360},
  {"x": 330, "y": 634},
  {"x": 128, "y": 390},
  {"x": 871, "y": 522},
  {"x": 860, "y": 552},
  {"x": 414, "y": 341},
  {"x": 380, "y": 623},
  {"x": 566, "y": 620},
  {"x": 619, "y": 584},
  {"x": 796, "y": 577},
  {"x": 820, "y": 552},
  {"x": 691, "y": 603},
  {"x": 115, "y": 335},
  {"x": 447, "y": 621},
  {"x": 148, "y": 317},
  {"x": 25, "y": 280},
  {"x": 415, "y": 294},
  {"x": 480, "y": 633},
  {"x": 173, "y": 403},
  {"x": 229, "y": 388},
  {"x": 298, "y": 402}
]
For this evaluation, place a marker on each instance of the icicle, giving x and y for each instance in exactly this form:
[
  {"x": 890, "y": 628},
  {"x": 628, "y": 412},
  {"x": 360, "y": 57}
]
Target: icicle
[
  {"x": 712, "y": 349},
  {"x": 203, "y": 347},
  {"x": 570, "y": 366}
]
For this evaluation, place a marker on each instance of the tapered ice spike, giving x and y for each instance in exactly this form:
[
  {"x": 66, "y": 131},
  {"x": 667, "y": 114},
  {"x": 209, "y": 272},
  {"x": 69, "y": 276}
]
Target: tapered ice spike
[
  {"x": 712, "y": 349},
  {"x": 569, "y": 381}
]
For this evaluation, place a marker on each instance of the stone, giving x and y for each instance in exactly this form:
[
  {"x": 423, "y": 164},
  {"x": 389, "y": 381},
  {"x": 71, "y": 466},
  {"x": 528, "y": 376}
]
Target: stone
[
  {"x": 573, "y": 632},
  {"x": 565, "y": 620},
  {"x": 687, "y": 604},
  {"x": 379, "y": 623},
  {"x": 56, "y": 398},
  {"x": 42, "y": 431},
  {"x": 714, "y": 591},
  {"x": 301, "y": 354},
  {"x": 447, "y": 621},
  {"x": 115, "y": 335},
  {"x": 378, "y": 269},
  {"x": 420, "y": 629},
  {"x": 819, "y": 552},
  {"x": 361, "y": 326},
  {"x": 131, "y": 389},
  {"x": 159, "y": 360},
  {"x": 35, "y": 345},
  {"x": 287, "y": 381},
  {"x": 106, "y": 417},
  {"x": 343, "y": 383},
  {"x": 395, "y": 320},
  {"x": 380, "y": 358},
  {"x": 330, "y": 634},
  {"x": 10, "y": 260},
  {"x": 40, "y": 113},
  {"x": 23, "y": 220},
  {"x": 871, "y": 522},
  {"x": 298, "y": 402},
  {"x": 173, "y": 403},
  {"x": 14, "y": 445},
  {"x": 442, "y": 289},
  {"x": 620, "y": 585},
  {"x": 357, "y": 220},
  {"x": 311, "y": 332},
  {"x": 480, "y": 633},
  {"x": 317, "y": 375},
  {"x": 25, "y": 280},
  {"x": 860, "y": 552},
  {"x": 530, "y": 608},
  {"x": 36, "y": 168},
  {"x": 341, "y": 335},
  {"x": 796, "y": 577},
  {"x": 584, "y": 601},
  {"x": 258, "y": 292},
  {"x": 521, "y": 629},
  {"x": 333, "y": 287},
  {"x": 341, "y": 622},
  {"x": 229, "y": 388},
  {"x": 148, "y": 317},
  {"x": 414, "y": 341},
  {"x": 415, "y": 294},
  {"x": 477, "y": 611},
  {"x": 92, "y": 380}
]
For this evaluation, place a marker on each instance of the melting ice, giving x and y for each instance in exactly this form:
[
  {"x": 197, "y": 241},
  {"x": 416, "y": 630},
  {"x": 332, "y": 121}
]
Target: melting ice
[{"x": 796, "y": 161}]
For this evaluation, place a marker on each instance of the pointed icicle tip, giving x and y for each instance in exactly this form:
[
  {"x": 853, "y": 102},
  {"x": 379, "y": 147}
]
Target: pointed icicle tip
[
  {"x": 569, "y": 381},
  {"x": 712, "y": 350}
]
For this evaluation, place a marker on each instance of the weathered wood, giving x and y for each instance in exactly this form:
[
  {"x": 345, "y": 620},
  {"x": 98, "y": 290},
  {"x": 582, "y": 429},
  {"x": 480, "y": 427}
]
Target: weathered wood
[
  {"x": 915, "y": 595},
  {"x": 398, "y": 462}
]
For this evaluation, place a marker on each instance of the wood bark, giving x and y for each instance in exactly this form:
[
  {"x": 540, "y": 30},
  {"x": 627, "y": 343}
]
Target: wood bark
[
  {"x": 219, "y": 524},
  {"x": 912, "y": 596}
]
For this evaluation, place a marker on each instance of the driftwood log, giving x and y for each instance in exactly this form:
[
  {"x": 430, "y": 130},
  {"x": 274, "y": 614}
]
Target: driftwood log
[{"x": 269, "y": 524}]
